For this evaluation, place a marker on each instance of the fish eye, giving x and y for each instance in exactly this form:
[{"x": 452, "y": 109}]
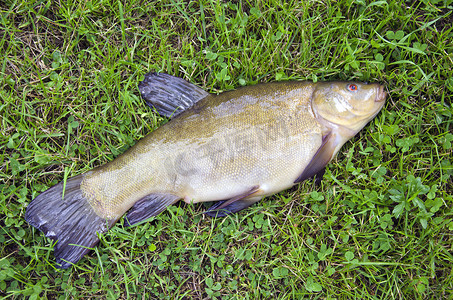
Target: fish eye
[{"x": 352, "y": 87}]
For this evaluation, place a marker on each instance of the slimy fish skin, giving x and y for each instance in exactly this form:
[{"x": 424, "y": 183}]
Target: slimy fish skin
[{"x": 234, "y": 148}]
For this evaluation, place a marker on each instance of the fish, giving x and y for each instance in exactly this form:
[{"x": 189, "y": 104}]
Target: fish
[{"x": 233, "y": 148}]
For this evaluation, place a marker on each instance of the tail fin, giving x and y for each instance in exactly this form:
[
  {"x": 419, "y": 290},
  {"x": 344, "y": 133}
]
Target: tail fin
[{"x": 70, "y": 221}]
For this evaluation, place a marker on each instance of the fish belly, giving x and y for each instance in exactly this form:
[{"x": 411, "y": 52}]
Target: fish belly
[{"x": 231, "y": 169}]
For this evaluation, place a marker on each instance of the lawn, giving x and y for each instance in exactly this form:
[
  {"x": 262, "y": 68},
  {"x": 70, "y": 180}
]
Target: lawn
[{"x": 379, "y": 226}]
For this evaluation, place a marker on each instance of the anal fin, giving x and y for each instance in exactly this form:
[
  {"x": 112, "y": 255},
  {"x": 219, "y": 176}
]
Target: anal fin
[
  {"x": 225, "y": 207},
  {"x": 149, "y": 206}
]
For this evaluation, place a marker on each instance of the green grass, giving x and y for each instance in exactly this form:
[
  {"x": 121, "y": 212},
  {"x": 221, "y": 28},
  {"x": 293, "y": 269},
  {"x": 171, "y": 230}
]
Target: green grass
[{"x": 378, "y": 227}]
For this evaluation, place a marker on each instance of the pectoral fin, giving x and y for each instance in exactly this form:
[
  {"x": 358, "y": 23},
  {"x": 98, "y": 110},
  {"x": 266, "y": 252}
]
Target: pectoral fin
[
  {"x": 169, "y": 95},
  {"x": 322, "y": 157},
  {"x": 149, "y": 206},
  {"x": 225, "y": 207}
]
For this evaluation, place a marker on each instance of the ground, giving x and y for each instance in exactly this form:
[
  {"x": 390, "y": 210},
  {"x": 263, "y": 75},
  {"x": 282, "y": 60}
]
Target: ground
[{"x": 378, "y": 226}]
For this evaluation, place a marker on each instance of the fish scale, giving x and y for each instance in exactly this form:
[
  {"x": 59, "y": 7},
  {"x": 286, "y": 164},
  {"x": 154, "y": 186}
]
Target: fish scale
[
  {"x": 258, "y": 153},
  {"x": 233, "y": 148}
]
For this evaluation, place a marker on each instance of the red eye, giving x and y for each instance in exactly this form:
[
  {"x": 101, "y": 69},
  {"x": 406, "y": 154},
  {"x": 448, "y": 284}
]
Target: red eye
[{"x": 352, "y": 87}]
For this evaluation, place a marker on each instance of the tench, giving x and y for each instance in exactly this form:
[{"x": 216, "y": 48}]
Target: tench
[{"x": 234, "y": 148}]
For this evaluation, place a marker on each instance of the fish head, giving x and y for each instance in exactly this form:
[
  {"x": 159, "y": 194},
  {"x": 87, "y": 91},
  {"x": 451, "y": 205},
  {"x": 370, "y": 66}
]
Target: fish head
[{"x": 349, "y": 105}]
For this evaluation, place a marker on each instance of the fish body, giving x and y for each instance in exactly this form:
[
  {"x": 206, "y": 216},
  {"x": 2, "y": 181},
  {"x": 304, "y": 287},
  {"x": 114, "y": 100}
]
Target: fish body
[
  {"x": 234, "y": 148},
  {"x": 263, "y": 136}
]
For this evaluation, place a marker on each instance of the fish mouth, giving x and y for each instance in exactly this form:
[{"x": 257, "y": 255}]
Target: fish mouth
[{"x": 381, "y": 94}]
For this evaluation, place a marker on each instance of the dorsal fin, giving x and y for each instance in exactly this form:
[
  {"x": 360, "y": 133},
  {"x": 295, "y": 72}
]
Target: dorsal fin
[{"x": 169, "y": 95}]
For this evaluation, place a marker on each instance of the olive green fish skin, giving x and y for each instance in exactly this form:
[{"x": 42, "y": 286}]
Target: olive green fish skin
[
  {"x": 260, "y": 135},
  {"x": 234, "y": 148},
  {"x": 263, "y": 135}
]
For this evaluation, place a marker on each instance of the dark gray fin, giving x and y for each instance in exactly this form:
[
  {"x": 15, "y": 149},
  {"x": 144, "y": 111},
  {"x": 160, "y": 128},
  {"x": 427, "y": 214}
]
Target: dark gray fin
[
  {"x": 233, "y": 205},
  {"x": 318, "y": 176},
  {"x": 322, "y": 157},
  {"x": 231, "y": 208},
  {"x": 169, "y": 95},
  {"x": 149, "y": 206},
  {"x": 70, "y": 221}
]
